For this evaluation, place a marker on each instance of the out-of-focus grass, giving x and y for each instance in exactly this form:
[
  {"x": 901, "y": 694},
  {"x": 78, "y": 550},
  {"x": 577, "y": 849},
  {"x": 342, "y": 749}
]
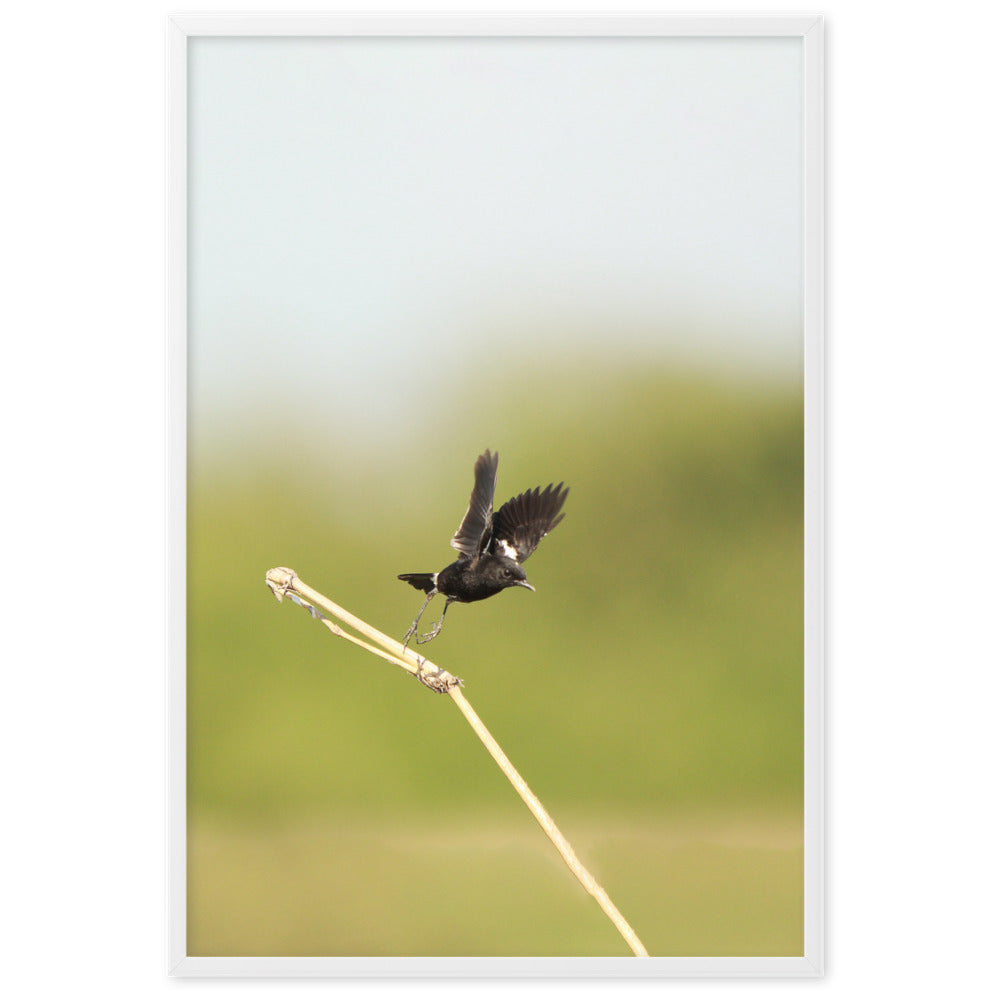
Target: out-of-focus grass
[
  {"x": 655, "y": 673},
  {"x": 493, "y": 886}
]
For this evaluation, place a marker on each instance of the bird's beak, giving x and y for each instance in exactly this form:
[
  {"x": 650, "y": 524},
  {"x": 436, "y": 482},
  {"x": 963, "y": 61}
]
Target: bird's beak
[{"x": 524, "y": 583}]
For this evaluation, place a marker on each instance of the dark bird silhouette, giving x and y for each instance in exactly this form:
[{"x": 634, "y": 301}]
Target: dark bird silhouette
[{"x": 492, "y": 546}]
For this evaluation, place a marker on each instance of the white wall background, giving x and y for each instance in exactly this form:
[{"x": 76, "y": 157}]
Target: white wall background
[{"x": 912, "y": 364}]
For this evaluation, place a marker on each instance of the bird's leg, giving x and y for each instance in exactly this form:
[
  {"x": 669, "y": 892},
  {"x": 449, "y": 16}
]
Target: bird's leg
[
  {"x": 436, "y": 629},
  {"x": 412, "y": 630}
]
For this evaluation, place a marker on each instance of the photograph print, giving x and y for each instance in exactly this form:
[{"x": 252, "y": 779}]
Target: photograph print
[{"x": 498, "y": 342}]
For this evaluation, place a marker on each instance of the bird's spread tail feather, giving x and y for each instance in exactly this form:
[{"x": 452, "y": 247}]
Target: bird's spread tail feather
[{"x": 420, "y": 581}]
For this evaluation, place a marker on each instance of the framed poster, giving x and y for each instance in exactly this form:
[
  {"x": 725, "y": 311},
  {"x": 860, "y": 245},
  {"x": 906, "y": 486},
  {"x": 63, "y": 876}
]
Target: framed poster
[{"x": 593, "y": 247}]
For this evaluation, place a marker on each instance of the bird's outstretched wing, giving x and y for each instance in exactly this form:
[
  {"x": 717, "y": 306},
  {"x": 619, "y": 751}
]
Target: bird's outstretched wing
[
  {"x": 473, "y": 533},
  {"x": 522, "y": 522}
]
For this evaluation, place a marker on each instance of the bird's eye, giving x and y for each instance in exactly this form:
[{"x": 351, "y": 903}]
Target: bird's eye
[{"x": 506, "y": 572}]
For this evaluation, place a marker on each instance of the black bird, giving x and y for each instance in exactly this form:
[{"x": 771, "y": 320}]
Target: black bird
[{"x": 492, "y": 546}]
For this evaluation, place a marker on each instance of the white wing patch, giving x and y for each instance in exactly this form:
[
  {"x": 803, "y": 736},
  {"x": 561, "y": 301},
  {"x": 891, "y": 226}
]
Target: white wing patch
[{"x": 507, "y": 549}]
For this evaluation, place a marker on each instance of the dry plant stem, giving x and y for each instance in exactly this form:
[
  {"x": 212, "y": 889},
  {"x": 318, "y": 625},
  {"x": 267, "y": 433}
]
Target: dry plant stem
[
  {"x": 338, "y": 631},
  {"x": 545, "y": 821},
  {"x": 284, "y": 582}
]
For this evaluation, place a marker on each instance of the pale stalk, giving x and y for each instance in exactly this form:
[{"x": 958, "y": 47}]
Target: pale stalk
[{"x": 284, "y": 582}]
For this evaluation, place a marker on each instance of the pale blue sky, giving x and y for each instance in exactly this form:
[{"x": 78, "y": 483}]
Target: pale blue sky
[{"x": 370, "y": 217}]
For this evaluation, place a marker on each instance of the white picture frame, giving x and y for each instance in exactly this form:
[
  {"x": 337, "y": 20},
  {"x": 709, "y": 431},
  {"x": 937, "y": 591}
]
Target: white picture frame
[{"x": 181, "y": 29}]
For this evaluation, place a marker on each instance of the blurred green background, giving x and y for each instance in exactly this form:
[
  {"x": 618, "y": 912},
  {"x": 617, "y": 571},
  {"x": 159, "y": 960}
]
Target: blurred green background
[{"x": 650, "y": 691}]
